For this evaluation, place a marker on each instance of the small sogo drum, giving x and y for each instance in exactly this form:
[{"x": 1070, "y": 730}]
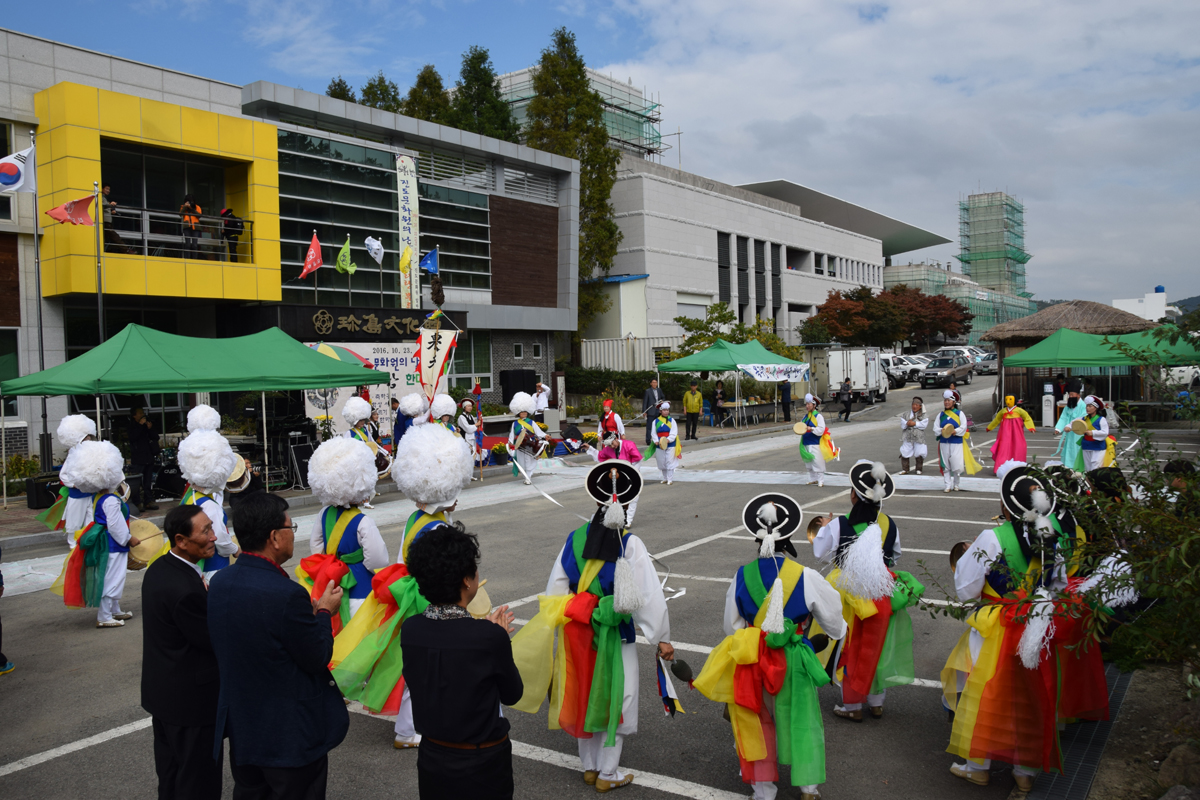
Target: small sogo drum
[
  {"x": 240, "y": 478},
  {"x": 1080, "y": 426},
  {"x": 152, "y": 545},
  {"x": 947, "y": 431}
]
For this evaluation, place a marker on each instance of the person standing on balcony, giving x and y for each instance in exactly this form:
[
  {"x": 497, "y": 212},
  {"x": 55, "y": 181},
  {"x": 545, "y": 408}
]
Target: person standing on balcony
[
  {"x": 112, "y": 240},
  {"x": 189, "y": 214},
  {"x": 231, "y": 228}
]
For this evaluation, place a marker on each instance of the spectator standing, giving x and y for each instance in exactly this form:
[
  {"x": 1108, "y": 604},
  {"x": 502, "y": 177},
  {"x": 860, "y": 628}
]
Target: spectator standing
[
  {"x": 1060, "y": 392},
  {"x": 395, "y": 404},
  {"x": 279, "y": 705},
  {"x": 179, "y": 671},
  {"x": 846, "y": 398},
  {"x": 650, "y": 401},
  {"x": 785, "y": 398},
  {"x": 693, "y": 404},
  {"x": 189, "y": 216},
  {"x": 373, "y": 426},
  {"x": 6, "y": 666},
  {"x": 143, "y": 449},
  {"x": 460, "y": 670},
  {"x": 232, "y": 227},
  {"x": 541, "y": 401},
  {"x": 719, "y": 402},
  {"x": 112, "y": 240}
]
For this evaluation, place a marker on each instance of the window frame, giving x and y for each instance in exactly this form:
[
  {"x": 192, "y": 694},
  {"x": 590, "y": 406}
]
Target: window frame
[{"x": 518, "y": 351}]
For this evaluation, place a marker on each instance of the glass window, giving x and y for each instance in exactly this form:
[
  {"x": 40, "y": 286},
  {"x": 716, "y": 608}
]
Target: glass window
[
  {"x": 9, "y": 366},
  {"x": 472, "y": 361},
  {"x": 537, "y": 349},
  {"x": 517, "y": 350},
  {"x": 6, "y": 149}
]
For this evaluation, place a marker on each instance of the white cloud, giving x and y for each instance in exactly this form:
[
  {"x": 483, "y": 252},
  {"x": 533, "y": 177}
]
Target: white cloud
[{"x": 1086, "y": 111}]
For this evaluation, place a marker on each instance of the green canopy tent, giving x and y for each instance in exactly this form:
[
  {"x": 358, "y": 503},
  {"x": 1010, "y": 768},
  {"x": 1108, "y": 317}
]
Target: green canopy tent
[
  {"x": 750, "y": 357},
  {"x": 1068, "y": 348},
  {"x": 140, "y": 359}
]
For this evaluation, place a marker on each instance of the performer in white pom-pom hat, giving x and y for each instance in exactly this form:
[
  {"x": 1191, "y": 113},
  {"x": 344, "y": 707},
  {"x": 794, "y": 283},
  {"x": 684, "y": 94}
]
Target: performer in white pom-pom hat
[
  {"x": 664, "y": 442},
  {"x": 602, "y": 583},
  {"x": 864, "y": 546},
  {"x": 344, "y": 541},
  {"x": 525, "y": 438},
  {"x": 811, "y": 428},
  {"x": 207, "y": 462},
  {"x": 94, "y": 573},
  {"x": 73, "y": 509},
  {"x": 775, "y": 601}
]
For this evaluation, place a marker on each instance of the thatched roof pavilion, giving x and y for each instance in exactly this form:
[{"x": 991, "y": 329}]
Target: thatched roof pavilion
[{"x": 1078, "y": 315}]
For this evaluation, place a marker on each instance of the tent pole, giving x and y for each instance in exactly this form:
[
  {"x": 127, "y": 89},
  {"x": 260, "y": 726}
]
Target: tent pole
[
  {"x": 99, "y": 429},
  {"x": 4, "y": 445},
  {"x": 45, "y": 452},
  {"x": 266, "y": 447}
]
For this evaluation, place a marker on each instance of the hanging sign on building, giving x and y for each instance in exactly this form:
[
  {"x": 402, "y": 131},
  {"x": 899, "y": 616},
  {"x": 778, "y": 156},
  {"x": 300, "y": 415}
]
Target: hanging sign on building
[{"x": 410, "y": 233}]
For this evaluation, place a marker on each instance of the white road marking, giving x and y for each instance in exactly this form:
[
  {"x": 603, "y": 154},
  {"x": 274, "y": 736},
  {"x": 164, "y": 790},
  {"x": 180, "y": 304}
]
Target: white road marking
[
  {"x": 939, "y": 519},
  {"x": 697, "y": 577},
  {"x": 32, "y": 575},
  {"x": 698, "y": 542},
  {"x": 67, "y": 749},
  {"x": 928, "y": 683}
]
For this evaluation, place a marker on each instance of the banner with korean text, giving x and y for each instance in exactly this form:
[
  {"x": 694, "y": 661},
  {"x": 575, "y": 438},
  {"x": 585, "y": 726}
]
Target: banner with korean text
[
  {"x": 398, "y": 359},
  {"x": 410, "y": 232}
]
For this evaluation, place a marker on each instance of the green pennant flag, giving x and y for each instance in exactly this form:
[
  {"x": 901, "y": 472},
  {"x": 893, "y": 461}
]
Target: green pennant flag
[{"x": 344, "y": 264}]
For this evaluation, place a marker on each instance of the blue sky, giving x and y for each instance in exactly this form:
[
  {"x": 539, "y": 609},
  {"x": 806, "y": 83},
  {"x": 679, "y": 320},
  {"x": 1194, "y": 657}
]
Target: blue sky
[{"x": 1086, "y": 110}]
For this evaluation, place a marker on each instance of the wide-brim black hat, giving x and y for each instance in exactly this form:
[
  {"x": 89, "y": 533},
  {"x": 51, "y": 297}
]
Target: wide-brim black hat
[
  {"x": 1016, "y": 491},
  {"x": 614, "y": 477},
  {"x": 788, "y": 516},
  {"x": 863, "y": 480}
]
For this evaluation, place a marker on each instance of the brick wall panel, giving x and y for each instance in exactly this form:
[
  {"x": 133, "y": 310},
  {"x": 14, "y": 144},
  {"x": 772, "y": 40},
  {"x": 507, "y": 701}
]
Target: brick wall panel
[{"x": 524, "y": 253}]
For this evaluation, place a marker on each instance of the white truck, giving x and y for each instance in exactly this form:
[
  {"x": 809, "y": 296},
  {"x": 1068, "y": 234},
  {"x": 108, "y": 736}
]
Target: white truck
[{"x": 868, "y": 380}]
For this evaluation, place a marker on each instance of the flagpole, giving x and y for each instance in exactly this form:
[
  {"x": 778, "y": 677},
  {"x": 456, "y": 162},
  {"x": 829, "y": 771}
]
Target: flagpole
[{"x": 45, "y": 454}]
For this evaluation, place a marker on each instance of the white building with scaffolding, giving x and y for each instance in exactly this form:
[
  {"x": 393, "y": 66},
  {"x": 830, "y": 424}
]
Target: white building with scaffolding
[{"x": 631, "y": 117}]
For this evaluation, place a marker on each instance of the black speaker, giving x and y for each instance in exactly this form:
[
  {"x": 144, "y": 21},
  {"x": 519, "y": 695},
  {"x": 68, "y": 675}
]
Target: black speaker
[
  {"x": 42, "y": 490},
  {"x": 170, "y": 481},
  {"x": 516, "y": 380}
]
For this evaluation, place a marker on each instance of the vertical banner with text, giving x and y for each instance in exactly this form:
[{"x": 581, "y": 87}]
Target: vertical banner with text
[{"x": 410, "y": 233}]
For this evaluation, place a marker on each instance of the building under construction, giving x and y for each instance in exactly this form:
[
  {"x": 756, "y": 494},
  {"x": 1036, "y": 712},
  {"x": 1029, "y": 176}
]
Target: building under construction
[
  {"x": 632, "y": 120},
  {"x": 991, "y": 231},
  {"x": 990, "y": 307}
]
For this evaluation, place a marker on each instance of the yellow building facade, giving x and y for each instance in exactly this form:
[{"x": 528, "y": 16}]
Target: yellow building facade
[{"x": 72, "y": 121}]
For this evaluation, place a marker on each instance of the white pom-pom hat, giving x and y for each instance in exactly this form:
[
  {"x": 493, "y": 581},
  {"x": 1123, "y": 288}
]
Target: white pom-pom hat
[
  {"x": 342, "y": 473},
  {"x": 431, "y": 466},
  {"x": 203, "y": 418},
  {"x": 74, "y": 429},
  {"x": 355, "y": 410},
  {"x": 93, "y": 467},
  {"x": 522, "y": 401},
  {"x": 442, "y": 405},
  {"x": 206, "y": 460},
  {"x": 413, "y": 404}
]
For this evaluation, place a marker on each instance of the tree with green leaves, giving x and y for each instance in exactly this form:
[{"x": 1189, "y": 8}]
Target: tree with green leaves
[
  {"x": 381, "y": 93},
  {"x": 427, "y": 99},
  {"x": 720, "y": 322},
  {"x": 340, "y": 89},
  {"x": 566, "y": 117},
  {"x": 477, "y": 105}
]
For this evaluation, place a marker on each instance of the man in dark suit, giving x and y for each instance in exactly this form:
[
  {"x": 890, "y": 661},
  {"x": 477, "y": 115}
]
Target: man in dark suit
[
  {"x": 279, "y": 705},
  {"x": 179, "y": 670},
  {"x": 143, "y": 449},
  {"x": 650, "y": 400}
]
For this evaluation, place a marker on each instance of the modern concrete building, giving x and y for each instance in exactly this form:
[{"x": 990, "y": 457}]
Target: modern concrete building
[
  {"x": 289, "y": 164},
  {"x": 772, "y": 250},
  {"x": 989, "y": 306},
  {"x": 1153, "y": 306}
]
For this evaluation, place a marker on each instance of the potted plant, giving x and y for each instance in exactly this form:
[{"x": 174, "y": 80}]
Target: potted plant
[{"x": 500, "y": 454}]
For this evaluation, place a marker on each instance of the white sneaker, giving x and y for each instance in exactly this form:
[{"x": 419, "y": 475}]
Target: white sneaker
[
  {"x": 368, "y": 505},
  {"x": 406, "y": 742},
  {"x": 956, "y": 488},
  {"x": 669, "y": 483},
  {"x": 112, "y": 623},
  {"x": 528, "y": 482},
  {"x": 123, "y": 615},
  {"x": 946, "y": 490},
  {"x": 918, "y": 472}
]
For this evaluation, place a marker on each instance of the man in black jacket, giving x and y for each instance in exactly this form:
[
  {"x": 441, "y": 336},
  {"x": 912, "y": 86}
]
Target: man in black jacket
[
  {"x": 650, "y": 400},
  {"x": 143, "y": 449},
  {"x": 179, "y": 670},
  {"x": 279, "y": 705}
]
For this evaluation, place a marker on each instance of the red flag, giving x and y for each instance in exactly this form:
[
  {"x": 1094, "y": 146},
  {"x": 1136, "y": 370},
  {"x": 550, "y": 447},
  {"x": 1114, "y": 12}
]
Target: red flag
[
  {"x": 73, "y": 211},
  {"x": 312, "y": 261}
]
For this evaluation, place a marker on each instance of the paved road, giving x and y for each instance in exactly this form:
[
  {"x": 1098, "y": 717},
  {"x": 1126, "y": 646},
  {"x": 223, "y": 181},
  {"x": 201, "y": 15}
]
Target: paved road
[{"x": 77, "y": 687}]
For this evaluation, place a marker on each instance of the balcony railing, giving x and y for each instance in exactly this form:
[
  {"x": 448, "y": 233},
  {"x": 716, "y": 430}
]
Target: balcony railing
[{"x": 164, "y": 234}]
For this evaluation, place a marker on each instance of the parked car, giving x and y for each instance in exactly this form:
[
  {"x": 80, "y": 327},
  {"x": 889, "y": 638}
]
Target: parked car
[
  {"x": 913, "y": 367},
  {"x": 988, "y": 364},
  {"x": 956, "y": 350},
  {"x": 941, "y": 371},
  {"x": 925, "y": 357},
  {"x": 896, "y": 369}
]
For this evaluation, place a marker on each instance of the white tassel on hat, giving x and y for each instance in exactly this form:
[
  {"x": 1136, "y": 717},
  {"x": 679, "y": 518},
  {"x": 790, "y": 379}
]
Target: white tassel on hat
[
  {"x": 1039, "y": 514},
  {"x": 773, "y": 619},
  {"x": 863, "y": 573},
  {"x": 879, "y": 473},
  {"x": 626, "y": 599},
  {"x": 614, "y": 516},
  {"x": 1039, "y": 630},
  {"x": 768, "y": 517}
]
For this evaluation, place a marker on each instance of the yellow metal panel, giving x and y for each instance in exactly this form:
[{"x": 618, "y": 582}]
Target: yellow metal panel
[
  {"x": 266, "y": 253},
  {"x": 72, "y": 140},
  {"x": 265, "y": 173},
  {"x": 199, "y": 128},
  {"x": 73, "y": 103},
  {"x": 269, "y": 287},
  {"x": 203, "y": 279},
  {"x": 160, "y": 122},
  {"x": 240, "y": 283},
  {"x": 75, "y": 175},
  {"x": 120, "y": 114},
  {"x": 41, "y": 107},
  {"x": 266, "y": 227},
  {"x": 79, "y": 273},
  {"x": 165, "y": 277},
  {"x": 266, "y": 141},
  {"x": 236, "y": 136},
  {"x": 124, "y": 274}
]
